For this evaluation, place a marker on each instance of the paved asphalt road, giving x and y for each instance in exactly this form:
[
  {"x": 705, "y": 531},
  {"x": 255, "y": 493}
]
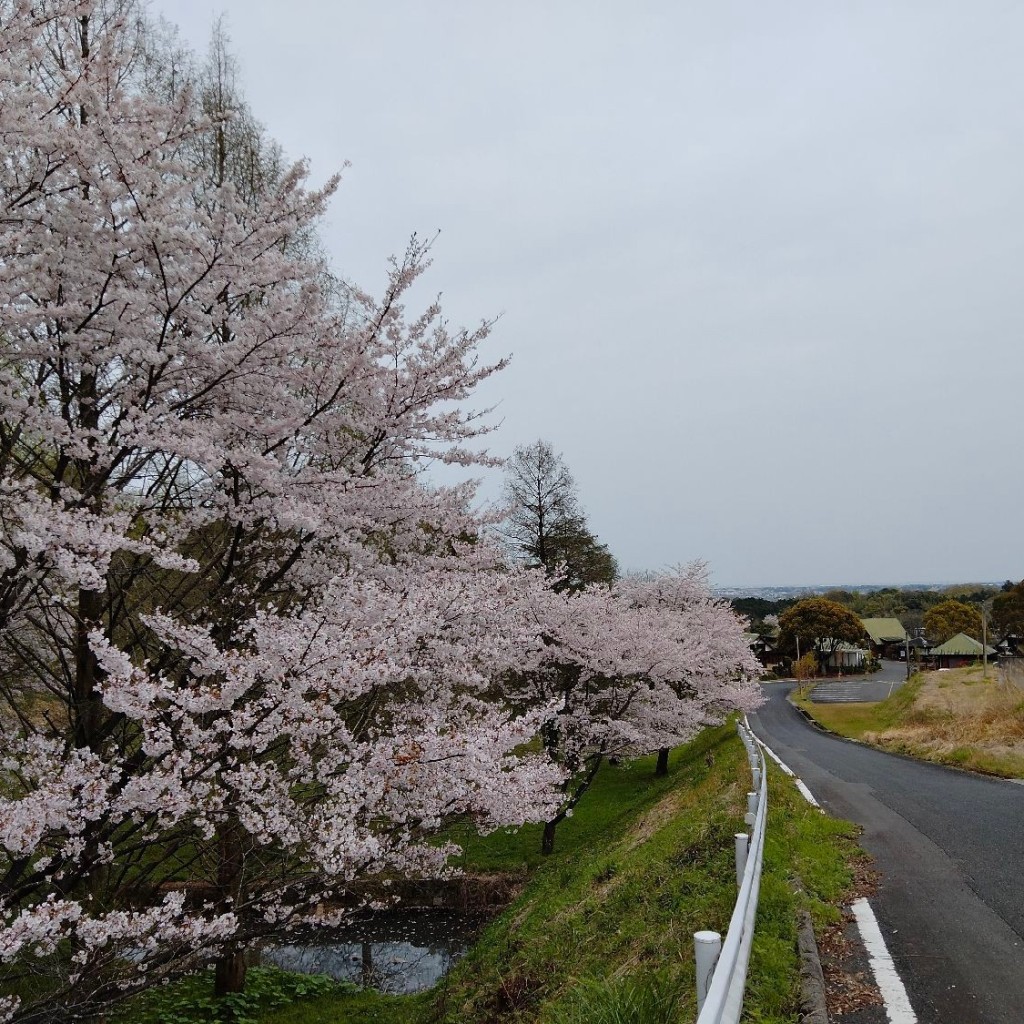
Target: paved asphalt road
[
  {"x": 877, "y": 686},
  {"x": 950, "y": 848}
]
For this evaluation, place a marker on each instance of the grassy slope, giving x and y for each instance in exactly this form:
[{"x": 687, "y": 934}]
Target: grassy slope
[
  {"x": 957, "y": 718},
  {"x": 856, "y": 720},
  {"x": 607, "y": 921}
]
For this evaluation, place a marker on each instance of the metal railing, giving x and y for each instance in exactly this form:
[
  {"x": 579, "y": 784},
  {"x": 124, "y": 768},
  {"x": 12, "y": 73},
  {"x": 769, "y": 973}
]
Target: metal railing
[{"x": 722, "y": 966}]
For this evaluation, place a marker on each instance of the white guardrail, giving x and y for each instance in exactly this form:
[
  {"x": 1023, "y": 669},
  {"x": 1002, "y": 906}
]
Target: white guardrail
[{"x": 722, "y": 966}]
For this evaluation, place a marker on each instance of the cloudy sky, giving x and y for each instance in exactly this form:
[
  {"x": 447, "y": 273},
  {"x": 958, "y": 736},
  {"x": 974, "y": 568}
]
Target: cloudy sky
[{"x": 758, "y": 264}]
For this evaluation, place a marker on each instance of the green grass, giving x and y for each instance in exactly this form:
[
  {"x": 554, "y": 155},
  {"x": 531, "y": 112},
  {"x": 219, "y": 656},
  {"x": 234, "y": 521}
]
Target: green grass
[
  {"x": 654, "y": 1000},
  {"x": 854, "y": 720},
  {"x": 619, "y": 793},
  {"x": 603, "y": 931},
  {"x": 959, "y": 734}
]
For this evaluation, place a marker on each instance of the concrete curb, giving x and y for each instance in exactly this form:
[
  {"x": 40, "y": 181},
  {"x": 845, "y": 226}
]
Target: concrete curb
[
  {"x": 813, "y": 1008},
  {"x": 814, "y": 723},
  {"x": 803, "y": 711}
]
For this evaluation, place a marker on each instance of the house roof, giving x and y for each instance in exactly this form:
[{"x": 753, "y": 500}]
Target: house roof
[
  {"x": 885, "y": 631},
  {"x": 758, "y": 640},
  {"x": 961, "y": 646}
]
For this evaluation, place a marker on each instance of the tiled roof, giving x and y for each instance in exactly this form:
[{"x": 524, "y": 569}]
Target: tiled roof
[
  {"x": 961, "y": 646},
  {"x": 885, "y": 631}
]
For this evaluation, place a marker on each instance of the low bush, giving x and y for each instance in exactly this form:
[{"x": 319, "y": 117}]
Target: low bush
[{"x": 191, "y": 1001}]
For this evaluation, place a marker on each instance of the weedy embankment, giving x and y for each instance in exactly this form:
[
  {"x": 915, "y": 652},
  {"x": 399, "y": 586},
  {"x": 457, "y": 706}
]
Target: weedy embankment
[
  {"x": 959, "y": 717},
  {"x": 602, "y": 932}
]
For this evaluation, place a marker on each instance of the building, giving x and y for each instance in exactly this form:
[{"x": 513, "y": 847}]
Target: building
[
  {"x": 957, "y": 651},
  {"x": 888, "y": 637},
  {"x": 843, "y": 656},
  {"x": 1011, "y": 646},
  {"x": 763, "y": 648}
]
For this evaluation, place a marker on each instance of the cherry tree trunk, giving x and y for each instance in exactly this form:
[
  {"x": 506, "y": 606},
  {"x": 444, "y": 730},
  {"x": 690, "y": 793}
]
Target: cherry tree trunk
[
  {"x": 229, "y": 974},
  {"x": 547, "y": 843},
  {"x": 661, "y": 768},
  {"x": 229, "y": 971},
  {"x": 87, "y": 707},
  {"x": 366, "y": 967}
]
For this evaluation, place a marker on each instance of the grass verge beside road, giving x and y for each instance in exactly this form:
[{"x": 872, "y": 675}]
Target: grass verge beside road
[
  {"x": 957, "y": 717},
  {"x": 603, "y": 929}
]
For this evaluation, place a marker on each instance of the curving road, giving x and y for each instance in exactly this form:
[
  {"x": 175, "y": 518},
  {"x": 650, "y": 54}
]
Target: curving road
[{"x": 950, "y": 848}]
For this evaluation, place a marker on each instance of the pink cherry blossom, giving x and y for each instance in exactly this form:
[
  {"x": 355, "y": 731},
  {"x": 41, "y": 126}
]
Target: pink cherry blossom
[{"x": 249, "y": 658}]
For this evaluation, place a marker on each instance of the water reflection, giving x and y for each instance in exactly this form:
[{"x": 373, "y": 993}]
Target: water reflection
[{"x": 396, "y": 952}]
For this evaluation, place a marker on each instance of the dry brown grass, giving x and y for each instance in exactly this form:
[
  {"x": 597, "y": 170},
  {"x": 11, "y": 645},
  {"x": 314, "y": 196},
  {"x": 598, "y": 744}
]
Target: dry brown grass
[{"x": 961, "y": 717}]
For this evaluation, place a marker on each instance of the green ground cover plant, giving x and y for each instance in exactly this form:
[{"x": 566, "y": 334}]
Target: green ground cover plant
[
  {"x": 191, "y": 1000},
  {"x": 602, "y": 931}
]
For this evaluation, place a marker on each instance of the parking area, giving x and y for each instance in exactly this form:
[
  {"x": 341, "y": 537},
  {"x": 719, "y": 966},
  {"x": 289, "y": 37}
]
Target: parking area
[{"x": 859, "y": 689}]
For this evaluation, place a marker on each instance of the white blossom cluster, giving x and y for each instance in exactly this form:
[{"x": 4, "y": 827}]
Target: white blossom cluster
[{"x": 247, "y": 657}]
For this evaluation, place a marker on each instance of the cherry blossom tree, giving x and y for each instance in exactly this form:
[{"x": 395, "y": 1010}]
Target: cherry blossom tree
[
  {"x": 247, "y": 656},
  {"x": 714, "y": 669},
  {"x": 633, "y": 669}
]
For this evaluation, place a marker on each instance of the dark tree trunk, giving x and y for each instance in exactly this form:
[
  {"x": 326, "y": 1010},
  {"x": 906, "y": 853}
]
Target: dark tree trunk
[
  {"x": 661, "y": 768},
  {"x": 547, "y": 843},
  {"x": 88, "y": 708},
  {"x": 229, "y": 974},
  {"x": 87, "y": 704},
  {"x": 366, "y": 972}
]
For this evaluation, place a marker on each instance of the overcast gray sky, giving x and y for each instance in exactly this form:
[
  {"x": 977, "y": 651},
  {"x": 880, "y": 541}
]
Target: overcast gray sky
[{"x": 758, "y": 263}]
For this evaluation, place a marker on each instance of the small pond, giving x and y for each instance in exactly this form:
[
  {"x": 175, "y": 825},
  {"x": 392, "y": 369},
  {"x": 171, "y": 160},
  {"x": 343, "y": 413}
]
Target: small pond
[{"x": 393, "y": 951}]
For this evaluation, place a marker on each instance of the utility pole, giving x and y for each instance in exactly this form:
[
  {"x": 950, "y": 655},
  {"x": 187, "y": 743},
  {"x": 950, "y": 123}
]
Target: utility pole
[{"x": 984, "y": 639}]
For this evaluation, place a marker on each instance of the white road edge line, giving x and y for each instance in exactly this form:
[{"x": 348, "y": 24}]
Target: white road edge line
[
  {"x": 897, "y": 1003},
  {"x": 890, "y": 984},
  {"x": 778, "y": 760},
  {"x": 808, "y": 796},
  {"x": 800, "y": 784}
]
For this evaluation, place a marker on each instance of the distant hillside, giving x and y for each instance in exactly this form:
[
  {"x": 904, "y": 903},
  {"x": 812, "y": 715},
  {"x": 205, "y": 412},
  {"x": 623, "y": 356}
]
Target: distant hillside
[{"x": 785, "y": 593}]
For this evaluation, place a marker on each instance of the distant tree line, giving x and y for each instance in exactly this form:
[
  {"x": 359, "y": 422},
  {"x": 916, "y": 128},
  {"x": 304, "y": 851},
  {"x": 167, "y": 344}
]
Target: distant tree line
[
  {"x": 1008, "y": 609},
  {"x": 909, "y": 605}
]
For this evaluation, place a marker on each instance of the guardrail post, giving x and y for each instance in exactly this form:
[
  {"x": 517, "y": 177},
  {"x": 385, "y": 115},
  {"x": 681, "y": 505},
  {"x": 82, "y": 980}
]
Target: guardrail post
[
  {"x": 747, "y": 742},
  {"x": 706, "y": 949},
  {"x": 722, "y": 963},
  {"x": 742, "y": 842}
]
